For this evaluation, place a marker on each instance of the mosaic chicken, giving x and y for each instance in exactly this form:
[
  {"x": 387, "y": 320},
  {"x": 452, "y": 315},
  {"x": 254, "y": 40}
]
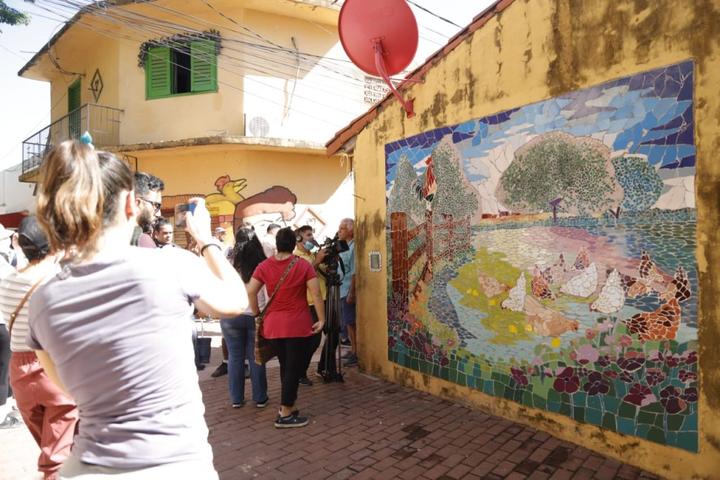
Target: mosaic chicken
[
  {"x": 612, "y": 295},
  {"x": 490, "y": 286},
  {"x": 582, "y": 261},
  {"x": 632, "y": 286},
  {"x": 516, "y": 299},
  {"x": 678, "y": 287},
  {"x": 540, "y": 287},
  {"x": 648, "y": 270},
  {"x": 556, "y": 271},
  {"x": 546, "y": 321},
  {"x": 662, "y": 324},
  {"x": 582, "y": 285}
]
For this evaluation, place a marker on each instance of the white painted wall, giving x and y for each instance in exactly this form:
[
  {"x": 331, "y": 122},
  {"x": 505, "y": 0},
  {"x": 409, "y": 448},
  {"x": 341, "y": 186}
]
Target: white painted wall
[{"x": 14, "y": 195}]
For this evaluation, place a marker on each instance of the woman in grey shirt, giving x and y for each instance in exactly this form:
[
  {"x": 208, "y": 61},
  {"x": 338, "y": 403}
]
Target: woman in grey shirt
[{"x": 112, "y": 329}]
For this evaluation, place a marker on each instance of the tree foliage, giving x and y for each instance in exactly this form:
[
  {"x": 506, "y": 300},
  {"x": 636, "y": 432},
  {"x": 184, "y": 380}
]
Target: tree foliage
[
  {"x": 11, "y": 16},
  {"x": 453, "y": 197},
  {"x": 640, "y": 182},
  {"x": 555, "y": 168},
  {"x": 402, "y": 196}
]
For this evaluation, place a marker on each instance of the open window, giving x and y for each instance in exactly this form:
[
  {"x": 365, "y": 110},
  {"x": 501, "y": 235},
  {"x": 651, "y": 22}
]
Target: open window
[{"x": 184, "y": 69}]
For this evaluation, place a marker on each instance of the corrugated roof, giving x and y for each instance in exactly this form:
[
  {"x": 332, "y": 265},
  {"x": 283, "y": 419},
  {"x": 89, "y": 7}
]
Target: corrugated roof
[{"x": 356, "y": 126}]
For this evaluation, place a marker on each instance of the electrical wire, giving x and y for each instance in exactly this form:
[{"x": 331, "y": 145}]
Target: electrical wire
[
  {"x": 255, "y": 66},
  {"x": 434, "y": 14},
  {"x": 130, "y": 16},
  {"x": 12, "y": 52},
  {"x": 182, "y": 46},
  {"x": 229, "y": 85},
  {"x": 170, "y": 27}
]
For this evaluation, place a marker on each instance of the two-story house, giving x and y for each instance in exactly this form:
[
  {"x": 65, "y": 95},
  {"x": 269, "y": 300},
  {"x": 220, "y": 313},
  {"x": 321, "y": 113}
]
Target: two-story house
[{"x": 227, "y": 99}]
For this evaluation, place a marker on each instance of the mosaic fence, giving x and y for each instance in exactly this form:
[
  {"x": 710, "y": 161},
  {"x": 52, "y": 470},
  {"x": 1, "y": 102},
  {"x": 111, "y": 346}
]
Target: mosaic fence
[{"x": 546, "y": 255}]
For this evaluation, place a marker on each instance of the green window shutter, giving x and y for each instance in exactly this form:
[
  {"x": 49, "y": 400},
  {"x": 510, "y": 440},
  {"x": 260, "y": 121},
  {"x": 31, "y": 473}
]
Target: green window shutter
[
  {"x": 203, "y": 66},
  {"x": 158, "y": 73}
]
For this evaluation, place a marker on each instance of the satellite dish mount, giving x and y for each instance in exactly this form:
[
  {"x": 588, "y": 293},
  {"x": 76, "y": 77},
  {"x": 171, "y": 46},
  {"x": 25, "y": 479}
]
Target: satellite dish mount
[
  {"x": 380, "y": 66},
  {"x": 381, "y": 38}
]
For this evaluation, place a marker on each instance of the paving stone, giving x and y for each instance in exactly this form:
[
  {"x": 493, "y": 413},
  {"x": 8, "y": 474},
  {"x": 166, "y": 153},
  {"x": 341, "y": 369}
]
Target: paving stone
[{"x": 367, "y": 429}]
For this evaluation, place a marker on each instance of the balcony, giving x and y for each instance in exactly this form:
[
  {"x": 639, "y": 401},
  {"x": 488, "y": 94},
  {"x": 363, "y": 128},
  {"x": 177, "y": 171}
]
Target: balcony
[{"x": 102, "y": 122}]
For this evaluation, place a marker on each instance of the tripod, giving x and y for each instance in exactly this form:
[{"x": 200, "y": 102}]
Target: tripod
[{"x": 331, "y": 368}]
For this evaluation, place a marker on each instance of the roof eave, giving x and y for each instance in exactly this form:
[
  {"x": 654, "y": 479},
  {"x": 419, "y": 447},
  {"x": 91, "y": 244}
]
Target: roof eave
[{"x": 31, "y": 63}]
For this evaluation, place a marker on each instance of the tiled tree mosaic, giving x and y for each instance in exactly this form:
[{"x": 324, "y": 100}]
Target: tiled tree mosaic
[{"x": 546, "y": 255}]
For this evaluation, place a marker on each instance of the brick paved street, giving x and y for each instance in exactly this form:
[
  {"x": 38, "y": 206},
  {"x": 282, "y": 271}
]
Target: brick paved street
[
  {"x": 365, "y": 429},
  {"x": 371, "y": 429}
]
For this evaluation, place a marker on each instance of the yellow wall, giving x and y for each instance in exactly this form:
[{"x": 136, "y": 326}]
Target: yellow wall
[
  {"x": 80, "y": 55},
  {"x": 532, "y": 51},
  {"x": 313, "y": 178},
  {"x": 319, "y": 101}
]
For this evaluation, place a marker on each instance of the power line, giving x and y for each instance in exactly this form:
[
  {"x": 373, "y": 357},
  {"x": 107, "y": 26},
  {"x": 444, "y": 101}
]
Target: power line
[
  {"x": 164, "y": 30},
  {"x": 171, "y": 27},
  {"x": 434, "y": 14},
  {"x": 13, "y": 52},
  {"x": 323, "y": 120}
]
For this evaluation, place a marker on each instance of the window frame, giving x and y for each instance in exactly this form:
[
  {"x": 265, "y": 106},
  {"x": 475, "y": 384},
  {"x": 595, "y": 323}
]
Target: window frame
[{"x": 210, "y": 86}]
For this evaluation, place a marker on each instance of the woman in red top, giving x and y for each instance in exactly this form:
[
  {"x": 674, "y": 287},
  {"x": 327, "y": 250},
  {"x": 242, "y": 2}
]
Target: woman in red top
[{"x": 288, "y": 323}]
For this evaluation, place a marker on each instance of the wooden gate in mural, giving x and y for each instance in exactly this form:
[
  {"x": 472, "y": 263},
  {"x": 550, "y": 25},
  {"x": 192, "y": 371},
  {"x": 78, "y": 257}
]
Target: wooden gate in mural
[{"x": 403, "y": 260}]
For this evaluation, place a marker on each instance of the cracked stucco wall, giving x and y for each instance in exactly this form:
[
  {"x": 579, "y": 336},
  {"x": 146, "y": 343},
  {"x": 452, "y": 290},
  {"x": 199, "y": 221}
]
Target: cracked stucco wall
[{"x": 531, "y": 51}]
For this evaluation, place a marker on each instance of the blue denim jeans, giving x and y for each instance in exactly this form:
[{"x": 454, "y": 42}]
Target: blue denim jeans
[{"x": 239, "y": 334}]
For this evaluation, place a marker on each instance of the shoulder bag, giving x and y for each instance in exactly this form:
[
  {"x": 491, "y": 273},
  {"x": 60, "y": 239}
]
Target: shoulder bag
[
  {"x": 264, "y": 350},
  {"x": 20, "y": 306}
]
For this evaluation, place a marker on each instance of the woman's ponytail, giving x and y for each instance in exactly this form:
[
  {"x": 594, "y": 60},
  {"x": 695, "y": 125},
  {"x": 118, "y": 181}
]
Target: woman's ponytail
[{"x": 78, "y": 192}]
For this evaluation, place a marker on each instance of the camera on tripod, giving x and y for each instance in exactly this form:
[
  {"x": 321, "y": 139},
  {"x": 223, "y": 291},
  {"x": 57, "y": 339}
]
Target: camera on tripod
[
  {"x": 329, "y": 367},
  {"x": 333, "y": 248}
]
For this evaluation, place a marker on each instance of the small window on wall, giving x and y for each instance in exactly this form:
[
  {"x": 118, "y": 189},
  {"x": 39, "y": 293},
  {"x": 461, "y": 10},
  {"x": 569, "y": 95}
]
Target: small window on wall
[{"x": 185, "y": 69}]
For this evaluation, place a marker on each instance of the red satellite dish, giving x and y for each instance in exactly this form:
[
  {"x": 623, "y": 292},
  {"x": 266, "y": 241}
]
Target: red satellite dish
[{"x": 380, "y": 37}]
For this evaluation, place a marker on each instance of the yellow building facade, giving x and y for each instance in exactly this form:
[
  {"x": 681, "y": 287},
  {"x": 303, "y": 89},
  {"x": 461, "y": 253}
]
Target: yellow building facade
[
  {"x": 506, "y": 281},
  {"x": 230, "y": 100}
]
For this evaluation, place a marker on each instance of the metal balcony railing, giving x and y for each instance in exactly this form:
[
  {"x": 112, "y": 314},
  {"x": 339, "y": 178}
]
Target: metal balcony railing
[{"x": 102, "y": 122}]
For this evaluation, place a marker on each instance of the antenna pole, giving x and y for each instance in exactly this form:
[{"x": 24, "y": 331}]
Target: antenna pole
[{"x": 380, "y": 65}]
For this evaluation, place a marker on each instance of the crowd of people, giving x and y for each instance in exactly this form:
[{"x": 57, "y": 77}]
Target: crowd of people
[{"x": 95, "y": 303}]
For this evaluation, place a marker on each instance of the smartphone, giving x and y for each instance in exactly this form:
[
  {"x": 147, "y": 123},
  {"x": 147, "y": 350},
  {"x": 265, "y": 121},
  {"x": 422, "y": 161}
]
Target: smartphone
[{"x": 181, "y": 211}]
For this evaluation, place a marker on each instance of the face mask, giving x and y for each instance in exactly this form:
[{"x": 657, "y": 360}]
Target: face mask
[{"x": 310, "y": 245}]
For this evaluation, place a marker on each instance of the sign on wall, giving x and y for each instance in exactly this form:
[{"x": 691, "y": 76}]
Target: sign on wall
[
  {"x": 374, "y": 90},
  {"x": 546, "y": 255}
]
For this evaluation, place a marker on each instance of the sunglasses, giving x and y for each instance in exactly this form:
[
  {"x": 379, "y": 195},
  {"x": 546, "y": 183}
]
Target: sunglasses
[{"x": 156, "y": 205}]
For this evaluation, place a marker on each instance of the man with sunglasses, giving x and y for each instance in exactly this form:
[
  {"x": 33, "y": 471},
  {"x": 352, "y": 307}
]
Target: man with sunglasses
[{"x": 148, "y": 197}]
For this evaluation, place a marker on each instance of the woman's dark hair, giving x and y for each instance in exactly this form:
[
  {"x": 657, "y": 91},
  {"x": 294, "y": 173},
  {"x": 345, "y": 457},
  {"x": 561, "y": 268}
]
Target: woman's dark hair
[
  {"x": 32, "y": 240},
  {"x": 285, "y": 240},
  {"x": 78, "y": 195},
  {"x": 248, "y": 253}
]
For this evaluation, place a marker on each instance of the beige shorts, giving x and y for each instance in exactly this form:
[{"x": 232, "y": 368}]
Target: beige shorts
[{"x": 74, "y": 469}]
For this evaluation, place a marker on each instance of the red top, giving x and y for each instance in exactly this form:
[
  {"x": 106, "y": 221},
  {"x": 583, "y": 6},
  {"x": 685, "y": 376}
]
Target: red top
[{"x": 289, "y": 314}]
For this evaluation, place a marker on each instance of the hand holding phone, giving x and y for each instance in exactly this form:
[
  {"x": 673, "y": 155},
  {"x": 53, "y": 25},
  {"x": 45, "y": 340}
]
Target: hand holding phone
[
  {"x": 197, "y": 221},
  {"x": 181, "y": 212}
]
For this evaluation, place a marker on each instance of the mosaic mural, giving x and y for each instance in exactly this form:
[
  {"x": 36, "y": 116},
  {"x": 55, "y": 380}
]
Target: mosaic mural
[{"x": 546, "y": 255}]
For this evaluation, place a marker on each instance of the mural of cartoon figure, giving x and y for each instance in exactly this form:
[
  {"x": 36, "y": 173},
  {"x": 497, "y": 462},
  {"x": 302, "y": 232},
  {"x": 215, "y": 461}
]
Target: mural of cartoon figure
[
  {"x": 230, "y": 209},
  {"x": 604, "y": 175},
  {"x": 265, "y": 207},
  {"x": 223, "y": 203}
]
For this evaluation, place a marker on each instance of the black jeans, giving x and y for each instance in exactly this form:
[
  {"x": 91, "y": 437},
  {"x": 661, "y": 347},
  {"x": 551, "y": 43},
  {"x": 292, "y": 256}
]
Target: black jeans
[
  {"x": 5, "y": 391},
  {"x": 313, "y": 343},
  {"x": 292, "y": 354}
]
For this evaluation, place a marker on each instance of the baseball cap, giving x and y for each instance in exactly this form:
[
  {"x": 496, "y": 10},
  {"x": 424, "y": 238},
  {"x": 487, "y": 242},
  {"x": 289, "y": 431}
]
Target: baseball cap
[
  {"x": 31, "y": 238},
  {"x": 220, "y": 230}
]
